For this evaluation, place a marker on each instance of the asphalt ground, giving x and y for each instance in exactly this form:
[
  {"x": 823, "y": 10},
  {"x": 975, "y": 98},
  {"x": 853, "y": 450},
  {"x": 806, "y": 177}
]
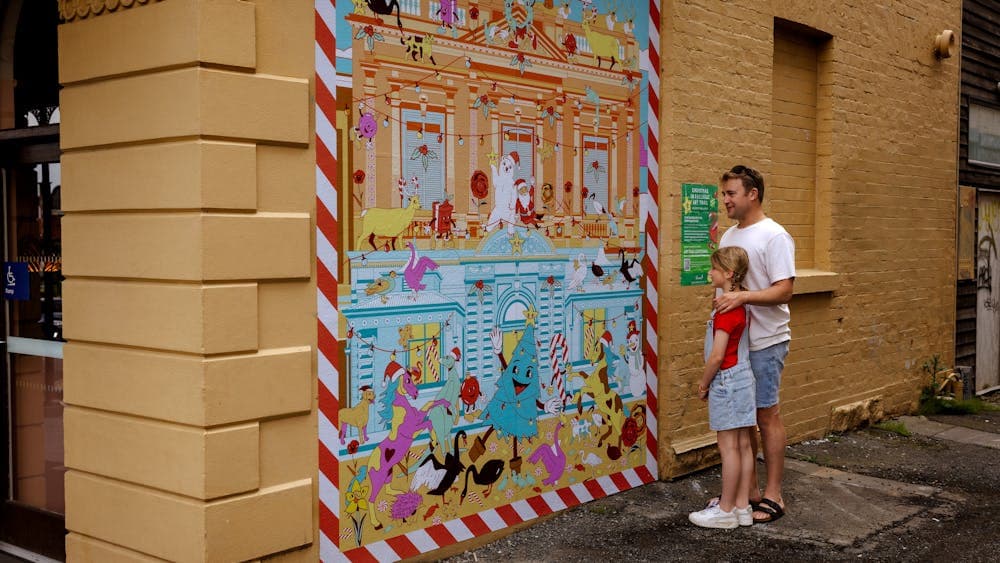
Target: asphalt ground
[{"x": 871, "y": 495}]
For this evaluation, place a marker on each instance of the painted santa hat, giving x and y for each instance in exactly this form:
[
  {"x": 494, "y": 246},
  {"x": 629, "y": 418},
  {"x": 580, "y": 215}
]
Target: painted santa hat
[
  {"x": 520, "y": 183},
  {"x": 456, "y": 353},
  {"x": 393, "y": 370},
  {"x": 606, "y": 337},
  {"x": 632, "y": 331},
  {"x": 516, "y": 158}
]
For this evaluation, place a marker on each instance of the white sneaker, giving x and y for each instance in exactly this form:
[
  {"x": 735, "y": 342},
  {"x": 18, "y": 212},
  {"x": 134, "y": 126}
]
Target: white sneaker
[
  {"x": 714, "y": 517},
  {"x": 744, "y": 515}
]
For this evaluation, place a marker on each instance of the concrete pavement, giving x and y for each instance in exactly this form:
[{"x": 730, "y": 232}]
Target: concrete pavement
[
  {"x": 833, "y": 513},
  {"x": 924, "y": 427}
]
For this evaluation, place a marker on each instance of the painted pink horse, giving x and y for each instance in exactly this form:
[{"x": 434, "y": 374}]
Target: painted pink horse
[{"x": 406, "y": 423}]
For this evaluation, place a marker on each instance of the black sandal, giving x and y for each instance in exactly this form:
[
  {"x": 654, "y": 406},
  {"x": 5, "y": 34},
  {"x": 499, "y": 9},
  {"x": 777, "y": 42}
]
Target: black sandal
[{"x": 769, "y": 507}]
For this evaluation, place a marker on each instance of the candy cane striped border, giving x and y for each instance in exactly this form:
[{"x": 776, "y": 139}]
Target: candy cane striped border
[
  {"x": 329, "y": 368},
  {"x": 327, "y": 246},
  {"x": 651, "y": 221}
]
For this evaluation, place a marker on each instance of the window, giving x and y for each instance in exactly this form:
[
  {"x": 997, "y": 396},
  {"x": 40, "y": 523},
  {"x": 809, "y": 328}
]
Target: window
[
  {"x": 521, "y": 140},
  {"x": 423, "y": 154},
  {"x": 424, "y": 348},
  {"x": 984, "y": 135},
  {"x": 596, "y": 172}
]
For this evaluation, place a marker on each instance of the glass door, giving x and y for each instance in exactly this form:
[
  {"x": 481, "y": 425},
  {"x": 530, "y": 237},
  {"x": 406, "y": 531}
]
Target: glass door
[{"x": 34, "y": 501}]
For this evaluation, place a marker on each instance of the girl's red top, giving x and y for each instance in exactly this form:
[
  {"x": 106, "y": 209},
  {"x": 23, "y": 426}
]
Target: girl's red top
[{"x": 733, "y": 322}]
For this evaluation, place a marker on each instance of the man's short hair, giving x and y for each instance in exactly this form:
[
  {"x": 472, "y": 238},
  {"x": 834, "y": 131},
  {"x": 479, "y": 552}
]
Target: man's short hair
[{"x": 750, "y": 178}]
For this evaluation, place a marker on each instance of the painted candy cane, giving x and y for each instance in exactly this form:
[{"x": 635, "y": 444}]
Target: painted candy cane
[
  {"x": 433, "y": 361},
  {"x": 558, "y": 354}
]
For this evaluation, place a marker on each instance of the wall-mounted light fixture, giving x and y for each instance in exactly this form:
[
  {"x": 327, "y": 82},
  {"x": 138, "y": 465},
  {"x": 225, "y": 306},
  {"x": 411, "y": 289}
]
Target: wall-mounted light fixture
[{"x": 944, "y": 44}]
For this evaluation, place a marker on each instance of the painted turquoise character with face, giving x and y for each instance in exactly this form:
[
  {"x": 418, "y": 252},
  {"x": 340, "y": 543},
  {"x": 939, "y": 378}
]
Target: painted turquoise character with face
[
  {"x": 443, "y": 419},
  {"x": 513, "y": 410}
]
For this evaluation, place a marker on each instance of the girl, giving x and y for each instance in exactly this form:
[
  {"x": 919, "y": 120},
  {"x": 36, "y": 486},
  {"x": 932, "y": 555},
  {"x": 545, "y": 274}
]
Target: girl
[{"x": 728, "y": 386}]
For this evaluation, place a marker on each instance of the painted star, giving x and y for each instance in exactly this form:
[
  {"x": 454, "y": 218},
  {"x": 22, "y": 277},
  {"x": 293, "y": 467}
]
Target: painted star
[
  {"x": 493, "y": 156},
  {"x": 687, "y": 205},
  {"x": 516, "y": 244},
  {"x": 546, "y": 151},
  {"x": 529, "y": 316}
]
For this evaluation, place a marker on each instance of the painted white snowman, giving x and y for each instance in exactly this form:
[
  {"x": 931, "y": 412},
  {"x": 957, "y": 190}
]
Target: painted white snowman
[
  {"x": 504, "y": 194},
  {"x": 637, "y": 375}
]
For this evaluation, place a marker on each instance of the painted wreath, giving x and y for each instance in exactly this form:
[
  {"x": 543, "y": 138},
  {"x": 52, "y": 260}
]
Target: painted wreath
[{"x": 479, "y": 184}]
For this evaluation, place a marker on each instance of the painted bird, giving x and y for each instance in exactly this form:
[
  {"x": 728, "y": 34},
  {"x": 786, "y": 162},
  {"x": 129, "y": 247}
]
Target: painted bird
[
  {"x": 487, "y": 476},
  {"x": 415, "y": 269},
  {"x": 552, "y": 457},
  {"x": 589, "y": 458},
  {"x": 382, "y": 286},
  {"x": 596, "y": 205},
  {"x": 602, "y": 257},
  {"x": 621, "y": 205},
  {"x": 429, "y": 475},
  {"x": 579, "y": 274},
  {"x": 630, "y": 269}
]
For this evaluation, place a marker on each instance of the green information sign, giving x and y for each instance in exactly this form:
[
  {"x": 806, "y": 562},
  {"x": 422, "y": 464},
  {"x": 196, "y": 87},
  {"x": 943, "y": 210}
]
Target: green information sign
[{"x": 699, "y": 231}]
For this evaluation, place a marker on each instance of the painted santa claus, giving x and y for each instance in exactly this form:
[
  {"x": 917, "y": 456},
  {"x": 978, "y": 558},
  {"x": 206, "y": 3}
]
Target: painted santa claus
[{"x": 525, "y": 205}]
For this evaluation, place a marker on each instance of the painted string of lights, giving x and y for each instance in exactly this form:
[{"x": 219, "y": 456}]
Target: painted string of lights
[
  {"x": 590, "y": 319},
  {"x": 631, "y": 80},
  {"x": 367, "y": 125},
  {"x": 352, "y": 334}
]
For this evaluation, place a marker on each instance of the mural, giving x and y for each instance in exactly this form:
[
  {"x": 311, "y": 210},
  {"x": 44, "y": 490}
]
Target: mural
[{"x": 485, "y": 211}]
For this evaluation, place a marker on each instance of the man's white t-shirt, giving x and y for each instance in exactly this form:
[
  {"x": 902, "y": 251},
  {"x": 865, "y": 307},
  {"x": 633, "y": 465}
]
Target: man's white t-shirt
[{"x": 772, "y": 259}]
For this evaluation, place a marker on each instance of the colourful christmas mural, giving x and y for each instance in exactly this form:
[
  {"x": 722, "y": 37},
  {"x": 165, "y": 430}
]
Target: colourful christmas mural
[{"x": 486, "y": 227}]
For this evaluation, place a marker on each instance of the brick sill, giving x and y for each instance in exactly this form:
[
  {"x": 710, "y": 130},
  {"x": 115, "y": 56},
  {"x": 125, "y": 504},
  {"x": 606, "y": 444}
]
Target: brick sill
[
  {"x": 809, "y": 280},
  {"x": 696, "y": 443}
]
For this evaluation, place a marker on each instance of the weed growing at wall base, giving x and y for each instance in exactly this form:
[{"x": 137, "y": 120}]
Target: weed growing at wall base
[{"x": 893, "y": 426}]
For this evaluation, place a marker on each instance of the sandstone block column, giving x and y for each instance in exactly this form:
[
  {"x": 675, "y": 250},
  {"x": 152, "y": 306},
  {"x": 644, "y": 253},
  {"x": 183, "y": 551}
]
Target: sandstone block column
[{"x": 189, "y": 299}]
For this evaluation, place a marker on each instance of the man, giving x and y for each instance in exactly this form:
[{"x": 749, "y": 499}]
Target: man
[{"x": 772, "y": 273}]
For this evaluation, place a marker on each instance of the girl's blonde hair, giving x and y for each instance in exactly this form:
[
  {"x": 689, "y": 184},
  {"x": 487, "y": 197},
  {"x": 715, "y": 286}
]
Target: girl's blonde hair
[{"x": 733, "y": 259}]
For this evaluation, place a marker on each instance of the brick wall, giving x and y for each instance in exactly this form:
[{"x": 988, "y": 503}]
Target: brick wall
[{"x": 885, "y": 177}]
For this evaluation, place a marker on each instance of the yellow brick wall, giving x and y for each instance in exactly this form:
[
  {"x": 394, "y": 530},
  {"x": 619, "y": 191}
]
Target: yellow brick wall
[
  {"x": 190, "y": 291},
  {"x": 884, "y": 194}
]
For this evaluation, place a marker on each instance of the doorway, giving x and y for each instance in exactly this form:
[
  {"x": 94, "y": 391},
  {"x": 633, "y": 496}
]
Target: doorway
[
  {"x": 988, "y": 294},
  {"x": 33, "y": 504}
]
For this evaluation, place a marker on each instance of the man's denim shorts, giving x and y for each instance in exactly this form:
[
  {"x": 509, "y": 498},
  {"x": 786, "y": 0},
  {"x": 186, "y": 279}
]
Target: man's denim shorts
[
  {"x": 730, "y": 399},
  {"x": 767, "y": 365}
]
